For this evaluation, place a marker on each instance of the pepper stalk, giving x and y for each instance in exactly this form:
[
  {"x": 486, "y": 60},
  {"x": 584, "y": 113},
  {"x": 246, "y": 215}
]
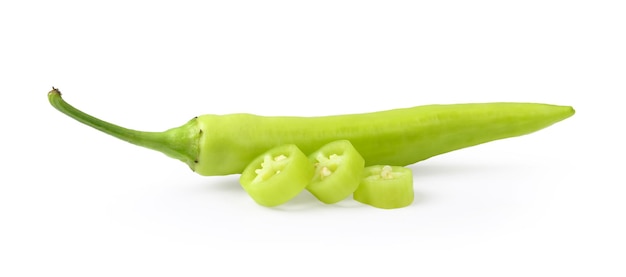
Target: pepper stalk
[{"x": 180, "y": 143}]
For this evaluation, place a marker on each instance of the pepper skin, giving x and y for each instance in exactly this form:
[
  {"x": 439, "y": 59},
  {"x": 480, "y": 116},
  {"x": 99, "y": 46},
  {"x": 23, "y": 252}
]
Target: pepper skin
[{"x": 226, "y": 144}]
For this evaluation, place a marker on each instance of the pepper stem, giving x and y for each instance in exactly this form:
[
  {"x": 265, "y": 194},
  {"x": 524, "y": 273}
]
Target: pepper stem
[{"x": 180, "y": 143}]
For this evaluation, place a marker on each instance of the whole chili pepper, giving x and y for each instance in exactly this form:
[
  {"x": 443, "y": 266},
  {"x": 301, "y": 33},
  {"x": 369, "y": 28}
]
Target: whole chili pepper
[{"x": 226, "y": 144}]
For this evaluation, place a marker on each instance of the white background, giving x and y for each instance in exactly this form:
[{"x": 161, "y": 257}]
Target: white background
[{"x": 75, "y": 202}]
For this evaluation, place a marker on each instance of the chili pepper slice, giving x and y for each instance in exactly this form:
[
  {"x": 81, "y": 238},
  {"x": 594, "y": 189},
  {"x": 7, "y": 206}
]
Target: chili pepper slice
[
  {"x": 277, "y": 176},
  {"x": 386, "y": 187},
  {"x": 338, "y": 168}
]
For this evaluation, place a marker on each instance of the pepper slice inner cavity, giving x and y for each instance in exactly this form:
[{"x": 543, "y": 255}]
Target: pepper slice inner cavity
[
  {"x": 269, "y": 167},
  {"x": 325, "y": 166}
]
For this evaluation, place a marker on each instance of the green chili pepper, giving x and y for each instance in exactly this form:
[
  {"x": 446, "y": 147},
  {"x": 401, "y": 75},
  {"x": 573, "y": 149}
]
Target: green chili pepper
[
  {"x": 386, "y": 187},
  {"x": 338, "y": 167},
  {"x": 226, "y": 144},
  {"x": 277, "y": 176}
]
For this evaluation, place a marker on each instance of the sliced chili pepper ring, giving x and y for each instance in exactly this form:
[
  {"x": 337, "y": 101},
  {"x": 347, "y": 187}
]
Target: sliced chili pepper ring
[
  {"x": 338, "y": 168},
  {"x": 386, "y": 187},
  {"x": 277, "y": 176}
]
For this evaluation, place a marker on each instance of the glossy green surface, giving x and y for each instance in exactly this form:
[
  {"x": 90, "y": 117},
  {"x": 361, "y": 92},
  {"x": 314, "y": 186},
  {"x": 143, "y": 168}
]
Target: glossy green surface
[{"x": 338, "y": 168}]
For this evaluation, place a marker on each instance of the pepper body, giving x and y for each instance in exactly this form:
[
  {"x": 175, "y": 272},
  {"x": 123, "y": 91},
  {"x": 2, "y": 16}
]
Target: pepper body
[{"x": 395, "y": 137}]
